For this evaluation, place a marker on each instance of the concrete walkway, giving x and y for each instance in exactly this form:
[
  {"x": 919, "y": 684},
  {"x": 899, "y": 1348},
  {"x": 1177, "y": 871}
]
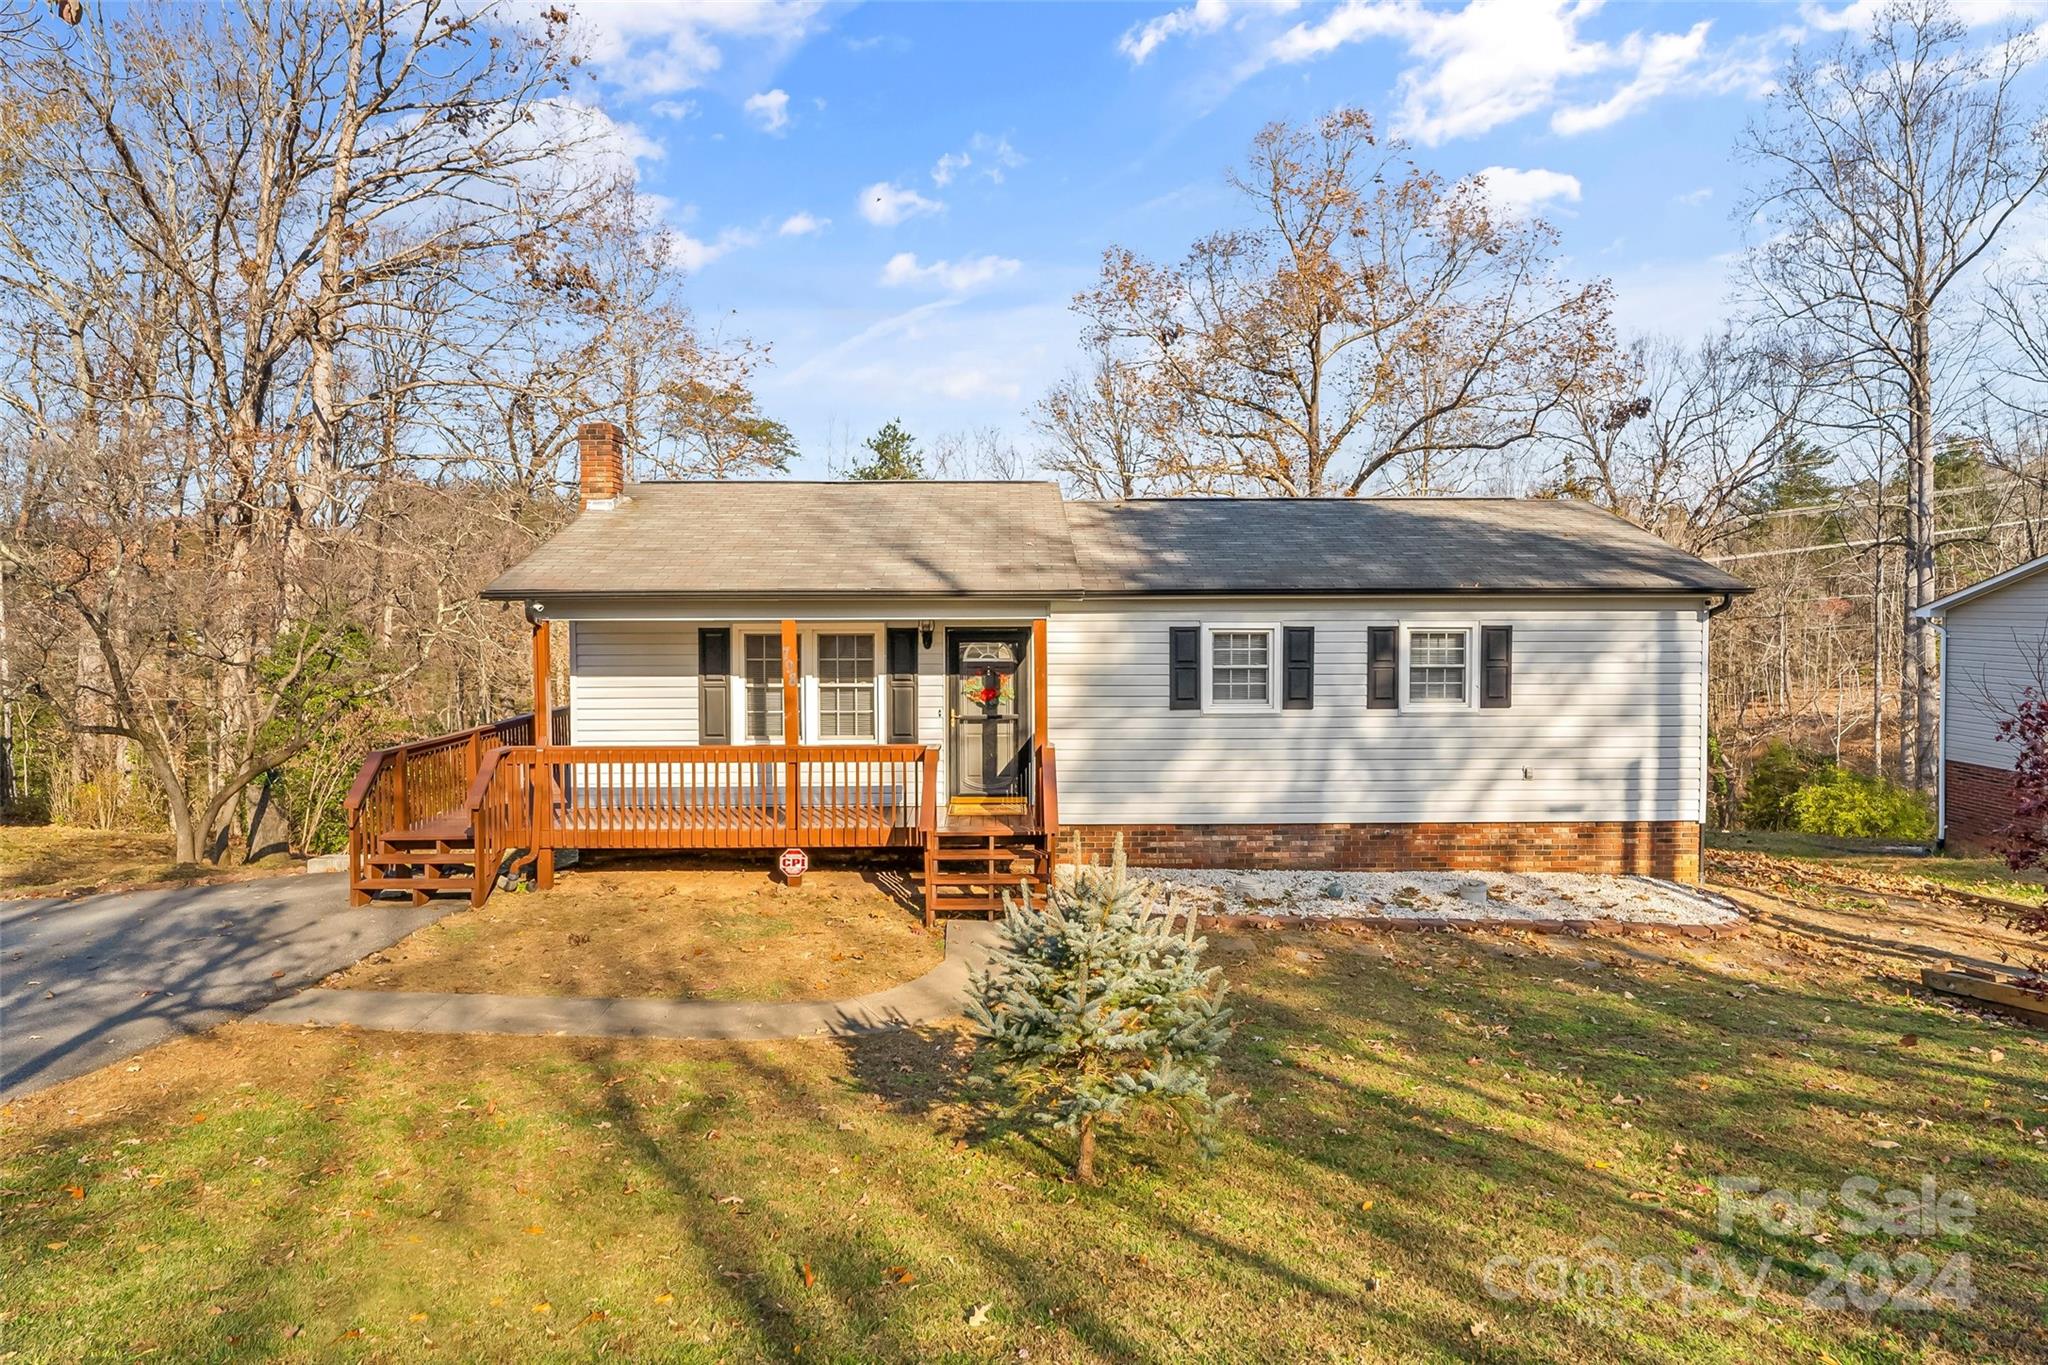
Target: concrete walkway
[
  {"x": 938, "y": 994},
  {"x": 91, "y": 981}
]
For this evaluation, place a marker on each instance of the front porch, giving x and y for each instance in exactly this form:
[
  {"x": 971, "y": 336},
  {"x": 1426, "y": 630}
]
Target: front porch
[{"x": 451, "y": 814}]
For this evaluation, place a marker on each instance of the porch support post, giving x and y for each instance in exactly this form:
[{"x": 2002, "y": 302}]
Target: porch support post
[
  {"x": 792, "y": 728},
  {"x": 541, "y": 667},
  {"x": 1038, "y": 676},
  {"x": 543, "y": 735}
]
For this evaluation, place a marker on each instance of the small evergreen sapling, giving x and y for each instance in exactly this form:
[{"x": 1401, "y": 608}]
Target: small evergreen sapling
[{"x": 1096, "y": 1001}]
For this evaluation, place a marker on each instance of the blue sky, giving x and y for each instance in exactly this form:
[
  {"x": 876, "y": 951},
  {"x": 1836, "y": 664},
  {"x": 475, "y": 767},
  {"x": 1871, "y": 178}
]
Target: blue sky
[{"x": 901, "y": 199}]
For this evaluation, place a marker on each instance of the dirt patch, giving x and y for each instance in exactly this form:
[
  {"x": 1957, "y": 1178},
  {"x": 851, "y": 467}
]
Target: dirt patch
[
  {"x": 67, "y": 860},
  {"x": 672, "y": 932}
]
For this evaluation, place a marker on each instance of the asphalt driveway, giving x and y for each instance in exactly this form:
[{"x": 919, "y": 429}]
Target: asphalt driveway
[{"x": 88, "y": 982}]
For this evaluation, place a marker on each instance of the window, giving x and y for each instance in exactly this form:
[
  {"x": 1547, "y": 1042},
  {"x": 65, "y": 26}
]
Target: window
[
  {"x": 846, "y": 687},
  {"x": 1437, "y": 665},
  {"x": 1241, "y": 668},
  {"x": 763, "y": 686}
]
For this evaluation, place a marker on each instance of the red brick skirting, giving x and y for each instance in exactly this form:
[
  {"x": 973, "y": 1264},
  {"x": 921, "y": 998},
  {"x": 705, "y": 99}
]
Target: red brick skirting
[
  {"x": 1667, "y": 849},
  {"x": 1979, "y": 803}
]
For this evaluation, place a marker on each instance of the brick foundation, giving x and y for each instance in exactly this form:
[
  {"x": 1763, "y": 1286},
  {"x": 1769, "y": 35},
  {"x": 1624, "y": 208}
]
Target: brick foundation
[
  {"x": 1979, "y": 804},
  {"x": 1669, "y": 849}
]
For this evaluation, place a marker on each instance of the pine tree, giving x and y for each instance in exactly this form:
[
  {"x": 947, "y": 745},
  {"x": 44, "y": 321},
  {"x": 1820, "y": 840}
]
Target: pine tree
[
  {"x": 1097, "y": 1001},
  {"x": 892, "y": 454}
]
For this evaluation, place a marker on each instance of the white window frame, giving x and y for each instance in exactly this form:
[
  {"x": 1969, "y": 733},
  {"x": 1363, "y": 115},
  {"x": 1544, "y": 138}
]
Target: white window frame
[
  {"x": 738, "y": 686},
  {"x": 1271, "y": 630},
  {"x": 1405, "y": 662},
  {"x": 812, "y": 655}
]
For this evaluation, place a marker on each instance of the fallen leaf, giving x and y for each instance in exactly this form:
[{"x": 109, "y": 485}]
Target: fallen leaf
[
  {"x": 534, "y": 1231},
  {"x": 75, "y": 1191},
  {"x": 809, "y": 1278},
  {"x": 543, "y": 1308},
  {"x": 594, "y": 1315},
  {"x": 977, "y": 1316},
  {"x": 664, "y": 1297},
  {"x": 1910, "y": 1040},
  {"x": 898, "y": 1274}
]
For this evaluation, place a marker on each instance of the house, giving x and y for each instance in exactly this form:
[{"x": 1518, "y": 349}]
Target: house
[
  {"x": 1994, "y": 645},
  {"x": 979, "y": 670}
]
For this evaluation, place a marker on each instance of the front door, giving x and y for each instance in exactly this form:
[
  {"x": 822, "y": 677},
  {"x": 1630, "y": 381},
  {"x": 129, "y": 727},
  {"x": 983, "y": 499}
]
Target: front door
[{"x": 989, "y": 733}]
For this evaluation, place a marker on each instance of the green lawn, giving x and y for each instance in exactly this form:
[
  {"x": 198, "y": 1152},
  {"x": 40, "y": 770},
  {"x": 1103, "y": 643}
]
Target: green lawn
[{"x": 1414, "y": 1106}]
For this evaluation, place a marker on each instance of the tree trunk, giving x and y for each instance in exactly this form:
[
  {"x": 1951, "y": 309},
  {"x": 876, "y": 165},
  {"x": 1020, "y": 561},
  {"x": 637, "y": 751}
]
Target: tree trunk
[
  {"x": 1084, "y": 1156},
  {"x": 1921, "y": 663}
]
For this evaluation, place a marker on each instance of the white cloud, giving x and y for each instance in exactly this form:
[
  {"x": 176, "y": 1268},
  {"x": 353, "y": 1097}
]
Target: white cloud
[
  {"x": 596, "y": 143},
  {"x": 770, "y": 109},
  {"x": 672, "y": 109},
  {"x": 1662, "y": 63},
  {"x": 1487, "y": 63},
  {"x": 1204, "y": 16},
  {"x": 660, "y": 49},
  {"x": 954, "y": 276},
  {"x": 1524, "y": 194},
  {"x": 993, "y": 154},
  {"x": 693, "y": 254},
  {"x": 1692, "y": 199},
  {"x": 801, "y": 224},
  {"x": 886, "y": 205}
]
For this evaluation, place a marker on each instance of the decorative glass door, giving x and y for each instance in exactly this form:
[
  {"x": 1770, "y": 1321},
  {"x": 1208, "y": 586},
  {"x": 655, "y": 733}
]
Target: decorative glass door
[{"x": 987, "y": 715}]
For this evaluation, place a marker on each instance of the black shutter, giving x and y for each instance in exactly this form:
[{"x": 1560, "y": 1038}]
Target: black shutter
[
  {"x": 1184, "y": 656},
  {"x": 1300, "y": 657},
  {"x": 1383, "y": 667},
  {"x": 1497, "y": 652},
  {"x": 714, "y": 685},
  {"x": 902, "y": 684}
]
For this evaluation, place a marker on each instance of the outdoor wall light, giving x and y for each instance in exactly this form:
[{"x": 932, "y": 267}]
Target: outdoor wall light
[{"x": 924, "y": 633}]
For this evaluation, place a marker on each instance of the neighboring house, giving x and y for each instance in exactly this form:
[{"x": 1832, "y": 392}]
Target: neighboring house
[
  {"x": 1994, "y": 645},
  {"x": 1325, "y": 683}
]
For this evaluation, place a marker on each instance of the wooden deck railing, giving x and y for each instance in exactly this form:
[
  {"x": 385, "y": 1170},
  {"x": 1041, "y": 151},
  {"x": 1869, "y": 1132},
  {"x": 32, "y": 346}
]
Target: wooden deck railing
[
  {"x": 407, "y": 784},
  {"x": 736, "y": 796}
]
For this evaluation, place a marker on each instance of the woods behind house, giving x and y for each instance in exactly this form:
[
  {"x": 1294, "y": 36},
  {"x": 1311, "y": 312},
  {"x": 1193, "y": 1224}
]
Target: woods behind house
[{"x": 302, "y": 303}]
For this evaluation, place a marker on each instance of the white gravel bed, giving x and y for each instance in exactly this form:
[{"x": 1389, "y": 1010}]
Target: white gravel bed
[{"x": 1533, "y": 896}]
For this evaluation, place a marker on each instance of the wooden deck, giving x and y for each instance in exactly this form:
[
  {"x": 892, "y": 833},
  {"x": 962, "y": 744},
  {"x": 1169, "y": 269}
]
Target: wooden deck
[{"x": 445, "y": 815}]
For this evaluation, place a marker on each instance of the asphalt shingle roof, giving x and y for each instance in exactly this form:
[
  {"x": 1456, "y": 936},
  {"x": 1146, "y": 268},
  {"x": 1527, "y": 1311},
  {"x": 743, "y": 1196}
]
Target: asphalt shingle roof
[
  {"x": 737, "y": 539},
  {"x": 1375, "y": 545},
  {"x": 782, "y": 539}
]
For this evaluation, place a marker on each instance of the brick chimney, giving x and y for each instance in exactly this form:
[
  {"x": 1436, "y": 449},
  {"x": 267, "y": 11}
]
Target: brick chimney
[{"x": 600, "y": 464}]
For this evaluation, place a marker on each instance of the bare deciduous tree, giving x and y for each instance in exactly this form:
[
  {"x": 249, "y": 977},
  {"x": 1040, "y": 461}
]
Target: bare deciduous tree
[
  {"x": 1373, "y": 318},
  {"x": 1892, "y": 165}
]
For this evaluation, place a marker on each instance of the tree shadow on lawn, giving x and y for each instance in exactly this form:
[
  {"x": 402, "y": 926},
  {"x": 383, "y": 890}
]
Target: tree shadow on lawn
[
  {"x": 1268, "y": 1254},
  {"x": 1610, "y": 1047}
]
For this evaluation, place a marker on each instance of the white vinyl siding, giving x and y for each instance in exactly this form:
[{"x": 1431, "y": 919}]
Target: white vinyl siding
[
  {"x": 1997, "y": 646},
  {"x": 1606, "y": 722},
  {"x": 632, "y": 682}
]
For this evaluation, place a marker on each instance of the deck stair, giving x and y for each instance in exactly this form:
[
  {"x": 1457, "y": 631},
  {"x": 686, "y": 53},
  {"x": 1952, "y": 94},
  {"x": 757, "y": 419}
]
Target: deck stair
[{"x": 970, "y": 863}]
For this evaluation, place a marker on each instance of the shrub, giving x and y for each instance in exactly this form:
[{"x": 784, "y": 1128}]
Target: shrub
[
  {"x": 1850, "y": 805},
  {"x": 1780, "y": 772},
  {"x": 1097, "y": 1002}
]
